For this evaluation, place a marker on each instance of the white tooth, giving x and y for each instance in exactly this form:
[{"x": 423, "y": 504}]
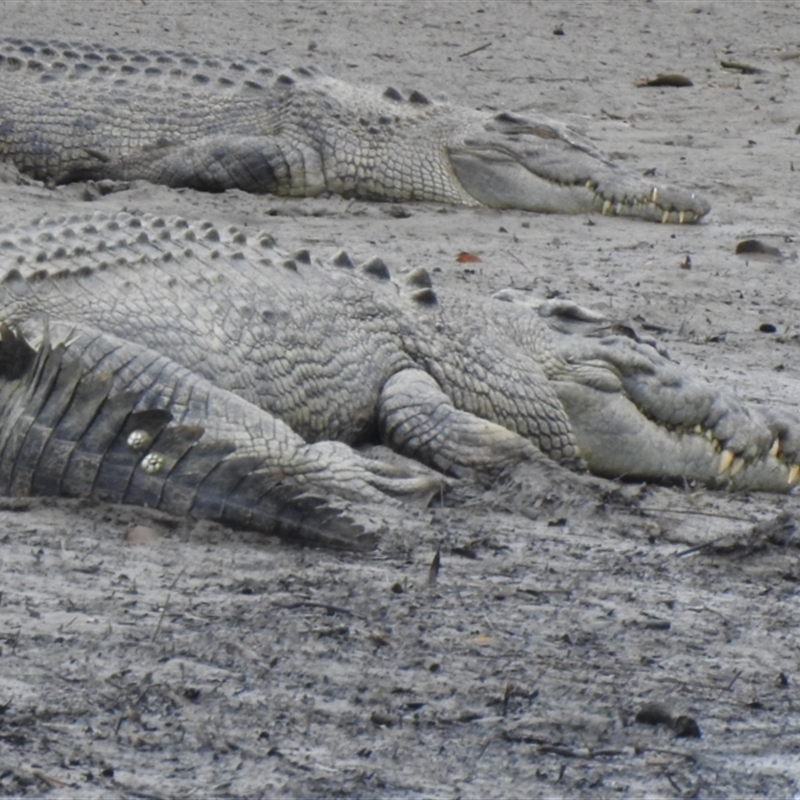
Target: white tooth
[
  {"x": 698, "y": 429},
  {"x": 654, "y": 195},
  {"x": 618, "y": 208},
  {"x": 607, "y": 208},
  {"x": 794, "y": 471},
  {"x": 775, "y": 449},
  {"x": 738, "y": 466},
  {"x": 682, "y": 217},
  {"x": 665, "y": 218},
  {"x": 589, "y": 186},
  {"x": 725, "y": 460}
]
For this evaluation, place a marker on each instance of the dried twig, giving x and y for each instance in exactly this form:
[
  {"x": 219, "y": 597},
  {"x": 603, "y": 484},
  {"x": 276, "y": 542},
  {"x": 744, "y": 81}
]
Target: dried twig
[
  {"x": 166, "y": 605},
  {"x": 331, "y": 609},
  {"x": 475, "y": 50}
]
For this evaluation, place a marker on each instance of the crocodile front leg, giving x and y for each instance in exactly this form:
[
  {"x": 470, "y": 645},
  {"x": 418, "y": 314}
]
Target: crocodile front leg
[
  {"x": 416, "y": 418},
  {"x": 216, "y": 163}
]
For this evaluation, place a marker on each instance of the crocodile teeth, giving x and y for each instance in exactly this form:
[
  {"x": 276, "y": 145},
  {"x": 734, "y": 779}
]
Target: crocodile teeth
[
  {"x": 794, "y": 472},
  {"x": 654, "y": 196},
  {"x": 607, "y": 208},
  {"x": 775, "y": 449},
  {"x": 682, "y": 217},
  {"x": 725, "y": 460},
  {"x": 665, "y": 218},
  {"x": 738, "y": 466}
]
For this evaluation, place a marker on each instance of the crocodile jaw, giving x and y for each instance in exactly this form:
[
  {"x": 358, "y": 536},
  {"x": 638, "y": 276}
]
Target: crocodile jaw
[
  {"x": 556, "y": 175},
  {"x": 611, "y": 432}
]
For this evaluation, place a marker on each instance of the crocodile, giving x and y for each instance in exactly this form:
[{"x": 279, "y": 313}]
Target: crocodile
[
  {"x": 203, "y": 370},
  {"x": 71, "y": 112}
]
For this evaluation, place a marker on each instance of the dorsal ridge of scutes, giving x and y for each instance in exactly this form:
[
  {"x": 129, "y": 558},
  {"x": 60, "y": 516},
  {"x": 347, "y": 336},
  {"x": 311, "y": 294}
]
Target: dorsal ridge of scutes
[
  {"x": 302, "y": 256},
  {"x": 78, "y": 247},
  {"x": 419, "y": 278},
  {"x": 376, "y": 268},
  {"x": 425, "y": 297},
  {"x": 342, "y": 259},
  {"x": 395, "y": 95},
  {"x": 57, "y": 60}
]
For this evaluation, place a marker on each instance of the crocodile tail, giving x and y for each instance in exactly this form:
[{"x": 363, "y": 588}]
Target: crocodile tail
[{"x": 65, "y": 432}]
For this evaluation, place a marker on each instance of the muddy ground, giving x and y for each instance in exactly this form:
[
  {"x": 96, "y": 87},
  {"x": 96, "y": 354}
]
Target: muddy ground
[{"x": 205, "y": 662}]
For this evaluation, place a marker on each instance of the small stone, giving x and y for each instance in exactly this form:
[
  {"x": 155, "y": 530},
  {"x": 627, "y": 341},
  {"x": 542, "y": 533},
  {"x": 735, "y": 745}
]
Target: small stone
[{"x": 142, "y": 534}]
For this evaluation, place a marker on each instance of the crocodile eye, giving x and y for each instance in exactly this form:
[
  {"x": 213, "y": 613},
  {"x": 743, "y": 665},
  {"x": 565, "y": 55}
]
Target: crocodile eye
[
  {"x": 139, "y": 439},
  {"x": 153, "y": 463}
]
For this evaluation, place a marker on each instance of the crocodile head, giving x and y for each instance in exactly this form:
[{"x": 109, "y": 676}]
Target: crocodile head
[{"x": 514, "y": 161}]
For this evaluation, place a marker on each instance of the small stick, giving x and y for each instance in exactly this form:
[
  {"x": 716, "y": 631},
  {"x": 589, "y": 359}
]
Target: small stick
[
  {"x": 745, "y": 69},
  {"x": 734, "y": 679},
  {"x": 331, "y": 609},
  {"x": 166, "y": 605},
  {"x": 475, "y": 50},
  {"x": 433, "y": 571}
]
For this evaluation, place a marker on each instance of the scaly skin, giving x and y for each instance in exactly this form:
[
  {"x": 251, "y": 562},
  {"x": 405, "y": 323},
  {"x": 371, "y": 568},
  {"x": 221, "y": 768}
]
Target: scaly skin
[
  {"x": 64, "y": 432},
  {"x": 70, "y": 113},
  {"x": 225, "y": 339}
]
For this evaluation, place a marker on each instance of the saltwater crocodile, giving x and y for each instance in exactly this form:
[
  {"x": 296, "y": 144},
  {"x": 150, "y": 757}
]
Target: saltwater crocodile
[
  {"x": 76, "y": 112},
  {"x": 202, "y": 370}
]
